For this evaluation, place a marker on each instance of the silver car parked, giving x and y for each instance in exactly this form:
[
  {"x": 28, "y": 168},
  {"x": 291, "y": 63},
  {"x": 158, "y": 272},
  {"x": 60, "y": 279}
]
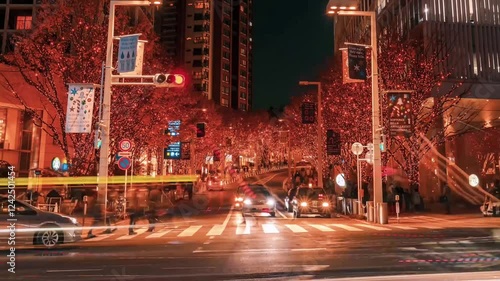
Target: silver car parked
[{"x": 21, "y": 223}]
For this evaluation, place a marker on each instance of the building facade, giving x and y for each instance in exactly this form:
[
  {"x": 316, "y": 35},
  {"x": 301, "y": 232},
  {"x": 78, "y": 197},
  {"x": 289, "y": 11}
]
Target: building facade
[
  {"x": 211, "y": 40},
  {"x": 468, "y": 31}
]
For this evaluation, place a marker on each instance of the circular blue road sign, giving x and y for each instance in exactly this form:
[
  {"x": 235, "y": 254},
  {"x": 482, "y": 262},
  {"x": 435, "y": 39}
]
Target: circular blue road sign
[{"x": 124, "y": 163}]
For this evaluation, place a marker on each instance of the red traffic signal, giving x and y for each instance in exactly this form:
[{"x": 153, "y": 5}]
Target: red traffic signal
[
  {"x": 169, "y": 80},
  {"x": 200, "y": 130}
]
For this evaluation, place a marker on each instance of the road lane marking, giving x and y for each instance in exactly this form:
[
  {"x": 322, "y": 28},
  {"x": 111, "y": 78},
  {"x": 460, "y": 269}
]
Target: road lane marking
[
  {"x": 322, "y": 228},
  {"x": 432, "y": 227},
  {"x": 72, "y": 270},
  {"x": 243, "y": 230},
  {"x": 190, "y": 231},
  {"x": 269, "y": 228},
  {"x": 403, "y": 227},
  {"x": 465, "y": 242},
  {"x": 99, "y": 238},
  {"x": 346, "y": 227},
  {"x": 228, "y": 217},
  {"x": 158, "y": 234},
  {"x": 448, "y": 242},
  {"x": 295, "y": 228},
  {"x": 372, "y": 227},
  {"x": 128, "y": 237},
  {"x": 216, "y": 230}
]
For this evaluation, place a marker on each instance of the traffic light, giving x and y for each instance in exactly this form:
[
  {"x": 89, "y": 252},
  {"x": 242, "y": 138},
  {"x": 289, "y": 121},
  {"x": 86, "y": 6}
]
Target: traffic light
[
  {"x": 308, "y": 113},
  {"x": 200, "y": 130},
  {"x": 169, "y": 80},
  {"x": 382, "y": 143},
  {"x": 217, "y": 155}
]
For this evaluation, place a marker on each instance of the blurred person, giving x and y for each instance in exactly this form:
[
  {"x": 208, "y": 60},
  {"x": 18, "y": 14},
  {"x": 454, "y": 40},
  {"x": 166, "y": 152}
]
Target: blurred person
[{"x": 446, "y": 197}]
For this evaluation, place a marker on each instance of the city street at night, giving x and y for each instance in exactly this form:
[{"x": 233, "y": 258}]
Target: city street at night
[{"x": 215, "y": 244}]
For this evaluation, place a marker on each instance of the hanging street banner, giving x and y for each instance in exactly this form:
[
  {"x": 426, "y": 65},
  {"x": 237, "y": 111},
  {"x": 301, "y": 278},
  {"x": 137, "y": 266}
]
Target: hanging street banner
[
  {"x": 333, "y": 144},
  {"x": 356, "y": 55},
  {"x": 80, "y": 108},
  {"x": 127, "y": 53},
  {"x": 345, "y": 69},
  {"x": 139, "y": 60},
  {"x": 400, "y": 113}
]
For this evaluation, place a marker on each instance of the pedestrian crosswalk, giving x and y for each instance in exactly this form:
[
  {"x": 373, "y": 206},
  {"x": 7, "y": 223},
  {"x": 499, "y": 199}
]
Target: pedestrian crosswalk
[{"x": 265, "y": 228}]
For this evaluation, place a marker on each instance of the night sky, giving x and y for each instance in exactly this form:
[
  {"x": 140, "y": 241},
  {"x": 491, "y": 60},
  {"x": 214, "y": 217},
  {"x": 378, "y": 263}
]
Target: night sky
[{"x": 291, "y": 43}]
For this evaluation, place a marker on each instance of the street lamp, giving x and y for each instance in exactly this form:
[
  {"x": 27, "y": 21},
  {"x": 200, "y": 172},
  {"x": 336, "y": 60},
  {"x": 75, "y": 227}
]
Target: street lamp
[
  {"x": 106, "y": 99},
  {"x": 349, "y": 8},
  {"x": 320, "y": 145}
]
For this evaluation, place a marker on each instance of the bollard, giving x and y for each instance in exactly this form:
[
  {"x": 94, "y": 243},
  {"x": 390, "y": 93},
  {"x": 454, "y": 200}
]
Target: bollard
[
  {"x": 56, "y": 208},
  {"x": 397, "y": 208},
  {"x": 355, "y": 210},
  {"x": 369, "y": 207},
  {"x": 85, "y": 202},
  {"x": 383, "y": 214}
]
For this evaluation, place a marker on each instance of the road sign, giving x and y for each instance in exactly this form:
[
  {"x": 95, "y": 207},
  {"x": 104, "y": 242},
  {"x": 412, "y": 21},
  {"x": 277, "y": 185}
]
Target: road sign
[
  {"x": 370, "y": 146},
  {"x": 125, "y": 153},
  {"x": 369, "y": 157},
  {"x": 173, "y": 151},
  {"x": 125, "y": 145},
  {"x": 127, "y": 53},
  {"x": 357, "y": 148},
  {"x": 124, "y": 163}
]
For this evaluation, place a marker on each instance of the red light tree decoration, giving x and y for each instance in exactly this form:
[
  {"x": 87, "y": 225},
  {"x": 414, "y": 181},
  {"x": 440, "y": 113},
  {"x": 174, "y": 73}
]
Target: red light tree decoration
[{"x": 67, "y": 45}]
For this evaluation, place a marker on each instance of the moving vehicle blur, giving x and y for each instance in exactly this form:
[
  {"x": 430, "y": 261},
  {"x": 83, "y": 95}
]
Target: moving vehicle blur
[
  {"x": 258, "y": 199},
  {"x": 311, "y": 201}
]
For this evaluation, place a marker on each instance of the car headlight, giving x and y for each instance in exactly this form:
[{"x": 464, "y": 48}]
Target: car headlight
[
  {"x": 303, "y": 204},
  {"x": 270, "y": 202},
  {"x": 247, "y": 202},
  {"x": 73, "y": 220},
  {"x": 325, "y": 204}
]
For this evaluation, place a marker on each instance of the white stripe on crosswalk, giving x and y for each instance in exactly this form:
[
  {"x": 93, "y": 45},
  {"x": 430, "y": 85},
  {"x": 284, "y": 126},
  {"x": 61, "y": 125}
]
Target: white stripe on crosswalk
[
  {"x": 190, "y": 231},
  {"x": 372, "y": 226},
  {"x": 158, "y": 234},
  {"x": 99, "y": 238},
  {"x": 269, "y": 228},
  {"x": 216, "y": 230},
  {"x": 403, "y": 227},
  {"x": 431, "y": 227},
  {"x": 243, "y": 229},
  {"x": 322, "y": 227},
  {"x": 295, "y": 228},
  {"x": 346, "y": 227},
  {"x": 128, "y": 237}
]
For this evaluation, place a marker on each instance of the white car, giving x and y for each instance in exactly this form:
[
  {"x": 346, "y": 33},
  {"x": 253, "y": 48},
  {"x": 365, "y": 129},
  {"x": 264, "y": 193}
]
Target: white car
[
  {"x": 21, "y": 223},
  {"x": 215, "y": 183}
]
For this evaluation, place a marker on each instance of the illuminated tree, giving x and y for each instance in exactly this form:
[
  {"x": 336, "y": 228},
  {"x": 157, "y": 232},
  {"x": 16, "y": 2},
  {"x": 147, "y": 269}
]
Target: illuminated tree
[{"x": 67, "y": 45}]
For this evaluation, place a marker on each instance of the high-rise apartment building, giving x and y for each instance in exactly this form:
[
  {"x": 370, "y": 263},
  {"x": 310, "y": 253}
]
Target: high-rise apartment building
[{"x": 211, "y": 40}]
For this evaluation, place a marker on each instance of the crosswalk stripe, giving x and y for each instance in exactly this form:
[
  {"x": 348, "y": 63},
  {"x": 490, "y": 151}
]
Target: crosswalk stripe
[
  {"x": 346, "y": 227},
  {"x": 269, "y": 228},
  {"x": 99, "y": 238},
  {"x": 372, "y": 226},
  {"x": 243, "y": 229},
  {"x": 295, "y": 228},
  {"x": 128, "y": 237},
  {"x": 190, "y": 231},
  {"x": 158, "y": 234},
  {"x": 403, "y": 227},
  {"x": 322, "y": 227},
  {"x": 216, "y": 230}
]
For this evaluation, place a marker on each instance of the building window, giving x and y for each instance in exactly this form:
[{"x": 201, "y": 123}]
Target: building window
[
  {"x": 226, "y": 32},
  {"x": 198, "y": 87},
  {"x": 244, "y": 30},
  {"x": 201, "y": 5},
  {"x": 23, "y": 22},
  {"x": 243, "y": 73},
  {"x": 197, "y": 74},
  {"x": 244, "y": 62},
  {"x": 243, "y": 51},
  {"x": 227, "y": 21},
  {"x": 243, "y": 40},
  {"x": 197, "y": 52},
  {"x": 3, "y": 122},
  {"x": 226, "y": 55},
  {"x": 225, "y": 90},
  {"x": 226, "y": 44},
  {"x": 198, "y": 16},
  {"x": 227, "y": 11},
  {"x": 224, "y": 102},
  {"x": 197, "y": 63},
  {"x": 243, "y": 84},
  {"x": 243, "y": 107},
  {"x": 225, "y": 78},
  {"x": 226, "y": 66},
  {"x": 243, "y": 95}
]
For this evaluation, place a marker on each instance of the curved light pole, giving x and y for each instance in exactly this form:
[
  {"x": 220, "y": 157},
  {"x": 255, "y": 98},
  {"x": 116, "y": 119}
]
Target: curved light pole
[{"x": 349, "y": 8}]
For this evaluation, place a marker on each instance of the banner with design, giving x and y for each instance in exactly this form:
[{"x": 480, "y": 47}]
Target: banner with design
[
  {"x": 80, "y": 108},
  {"x": 400, "y": 113}
]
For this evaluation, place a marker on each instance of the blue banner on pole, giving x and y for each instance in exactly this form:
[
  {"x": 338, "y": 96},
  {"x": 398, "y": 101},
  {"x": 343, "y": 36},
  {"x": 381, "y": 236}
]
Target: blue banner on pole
[{"x": 127, "y": 53}]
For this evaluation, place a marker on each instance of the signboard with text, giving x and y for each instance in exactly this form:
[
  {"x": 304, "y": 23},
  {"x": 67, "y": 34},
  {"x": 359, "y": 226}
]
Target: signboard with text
[
  {"x": 173, "y": 151},
  {"x": 80, "y": 108},
  {"x": 333, "y": 144},
  {"x": 357, "y": 62},
  {"x": 127, "y": 53},
  {"x": 400, "y": 113}
]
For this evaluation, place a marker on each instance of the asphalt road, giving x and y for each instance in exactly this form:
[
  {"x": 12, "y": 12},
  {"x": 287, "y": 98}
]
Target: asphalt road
[{"x": 206, "y": 240}]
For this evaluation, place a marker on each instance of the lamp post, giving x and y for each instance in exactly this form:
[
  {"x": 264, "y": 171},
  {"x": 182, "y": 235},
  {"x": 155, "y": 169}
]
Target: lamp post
[
  {"x": 320, "y": 142},
  {"x": 106, "y": 97},
  {"x": 348, "y": 8}
]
